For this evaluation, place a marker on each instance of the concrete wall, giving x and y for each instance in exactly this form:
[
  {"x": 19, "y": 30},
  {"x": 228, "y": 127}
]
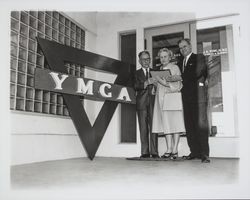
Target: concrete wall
[{"x": 37, "y": 137}]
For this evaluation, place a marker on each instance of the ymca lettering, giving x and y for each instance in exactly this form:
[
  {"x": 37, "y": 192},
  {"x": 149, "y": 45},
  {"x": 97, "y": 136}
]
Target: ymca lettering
[{"x": 93, "y": 89}]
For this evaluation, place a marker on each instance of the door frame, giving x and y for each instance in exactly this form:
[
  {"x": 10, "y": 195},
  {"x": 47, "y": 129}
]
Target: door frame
[{"x": 187, "y": 28}]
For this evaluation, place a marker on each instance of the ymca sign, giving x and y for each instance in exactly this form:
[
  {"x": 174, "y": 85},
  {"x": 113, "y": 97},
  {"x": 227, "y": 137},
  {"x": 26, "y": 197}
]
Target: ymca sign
[
  {"x": 92, "y": 89},
  {"x": 56, "y": 79}
]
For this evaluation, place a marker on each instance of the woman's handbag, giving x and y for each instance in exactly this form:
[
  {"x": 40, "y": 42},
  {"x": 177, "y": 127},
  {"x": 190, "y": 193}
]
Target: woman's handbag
[{"x": 172, "y": 101}]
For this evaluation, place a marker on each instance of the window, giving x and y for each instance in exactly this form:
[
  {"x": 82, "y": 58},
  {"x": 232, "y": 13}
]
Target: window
[{"x": 26, "y": 56}]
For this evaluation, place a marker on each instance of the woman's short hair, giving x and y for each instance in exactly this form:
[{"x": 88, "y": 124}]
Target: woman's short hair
[{"x": 168, "y": 51}]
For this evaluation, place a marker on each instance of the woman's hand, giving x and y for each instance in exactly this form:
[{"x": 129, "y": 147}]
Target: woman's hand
[
  {"x": 173, "y": 78},
  {"x": 162, "y": 81},
  {"x": 159, "y": 79}
]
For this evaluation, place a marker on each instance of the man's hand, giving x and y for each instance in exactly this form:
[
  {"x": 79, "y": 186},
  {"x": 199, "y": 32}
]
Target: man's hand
[
  {"x": 149, "y": 82},
  {"x": 206, "y": 82}
]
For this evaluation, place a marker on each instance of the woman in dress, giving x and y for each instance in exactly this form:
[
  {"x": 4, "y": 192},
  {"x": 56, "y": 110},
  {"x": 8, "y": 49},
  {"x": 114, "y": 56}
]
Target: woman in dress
[{"x": 168, "y": 122}]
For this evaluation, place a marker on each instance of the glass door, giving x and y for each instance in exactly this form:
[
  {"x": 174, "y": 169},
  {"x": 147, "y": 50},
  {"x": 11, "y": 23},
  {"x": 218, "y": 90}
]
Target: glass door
[
  {"x": 165, "y": 36},
  {"x": 216, "y": 43}
]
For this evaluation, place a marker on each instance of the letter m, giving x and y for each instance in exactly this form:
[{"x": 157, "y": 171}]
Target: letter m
[{"x": 82, "y": 88}]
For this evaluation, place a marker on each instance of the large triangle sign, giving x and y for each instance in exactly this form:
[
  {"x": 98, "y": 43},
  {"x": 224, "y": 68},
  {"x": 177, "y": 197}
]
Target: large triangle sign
[{"x": 56, "y": 54}]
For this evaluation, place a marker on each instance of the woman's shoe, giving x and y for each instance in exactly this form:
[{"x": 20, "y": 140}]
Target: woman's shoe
[
  {"x": 166, "y": 155},
  {"x": 174, "y": 156}
]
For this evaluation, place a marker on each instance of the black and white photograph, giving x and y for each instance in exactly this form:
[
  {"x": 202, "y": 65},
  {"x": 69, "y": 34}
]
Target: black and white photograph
[{"x": 125, "y": 100}]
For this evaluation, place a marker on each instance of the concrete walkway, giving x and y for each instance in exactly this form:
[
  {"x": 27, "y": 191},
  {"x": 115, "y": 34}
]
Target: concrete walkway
[{"x": 109, "y": 177}]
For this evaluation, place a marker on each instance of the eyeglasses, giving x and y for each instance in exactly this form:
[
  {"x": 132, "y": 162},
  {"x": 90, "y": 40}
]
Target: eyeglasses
[
  {"x": 145, "y": 59},
  {"x": 184, "y": 47}
]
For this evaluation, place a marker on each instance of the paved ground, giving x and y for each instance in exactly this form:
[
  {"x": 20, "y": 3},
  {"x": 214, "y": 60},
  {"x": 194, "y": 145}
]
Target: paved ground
[{"x": 108, "y": 177}]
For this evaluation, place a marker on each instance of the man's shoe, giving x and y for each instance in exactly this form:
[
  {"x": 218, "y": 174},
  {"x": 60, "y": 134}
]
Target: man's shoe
[
  {"x": 205, "y": 159},
  {"x": 145, "y": 156},
  {"x": 189, "y": 157},
  {"x": 155, "y": 156}
]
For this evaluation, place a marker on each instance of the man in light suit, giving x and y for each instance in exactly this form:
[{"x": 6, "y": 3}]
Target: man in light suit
[
  {"x": 145, "y": 96},
  {"x": 194, "y": 96}
]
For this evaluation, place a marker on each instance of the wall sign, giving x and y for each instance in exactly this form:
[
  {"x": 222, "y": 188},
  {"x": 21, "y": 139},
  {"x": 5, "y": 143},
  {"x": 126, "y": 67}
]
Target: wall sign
[
  {"x": 91, "y": 89},
  {"x": 73, "y": 87}
]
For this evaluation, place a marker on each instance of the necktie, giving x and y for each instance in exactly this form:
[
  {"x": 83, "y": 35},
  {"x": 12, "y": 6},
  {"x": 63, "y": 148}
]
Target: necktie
[
  {"x": 147, "y": 74},
  {"x": 184, "y": 65}
]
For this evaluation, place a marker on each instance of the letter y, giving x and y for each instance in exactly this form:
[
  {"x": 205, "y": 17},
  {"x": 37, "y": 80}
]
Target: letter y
[{"x": 57, "y": 80}]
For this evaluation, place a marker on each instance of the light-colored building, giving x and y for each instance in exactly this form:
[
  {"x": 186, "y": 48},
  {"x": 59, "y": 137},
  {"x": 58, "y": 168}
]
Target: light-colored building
[
  {"x": 52, "y": 134},
  {"x": 40, "y": 126}
]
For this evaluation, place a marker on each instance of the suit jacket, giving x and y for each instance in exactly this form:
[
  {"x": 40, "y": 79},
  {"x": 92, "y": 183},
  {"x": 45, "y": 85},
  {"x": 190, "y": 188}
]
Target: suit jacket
[
  {"x": 144, "y": 96},
  {"x": 194, "y": 76}
]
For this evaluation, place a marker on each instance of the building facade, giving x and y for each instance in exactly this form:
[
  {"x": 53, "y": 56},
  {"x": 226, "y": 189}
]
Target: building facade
[{"x": 41, "y": 128}]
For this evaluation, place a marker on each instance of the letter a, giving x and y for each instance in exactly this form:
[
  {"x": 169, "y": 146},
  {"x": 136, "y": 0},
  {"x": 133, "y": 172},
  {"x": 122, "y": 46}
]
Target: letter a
[{"x": 124, "y": 93}]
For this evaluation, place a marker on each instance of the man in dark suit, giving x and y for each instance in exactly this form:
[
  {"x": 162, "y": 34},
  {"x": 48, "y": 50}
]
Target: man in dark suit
[
  {"x": 194, "y": 96},
  {"x": 145, "y": 96}
]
